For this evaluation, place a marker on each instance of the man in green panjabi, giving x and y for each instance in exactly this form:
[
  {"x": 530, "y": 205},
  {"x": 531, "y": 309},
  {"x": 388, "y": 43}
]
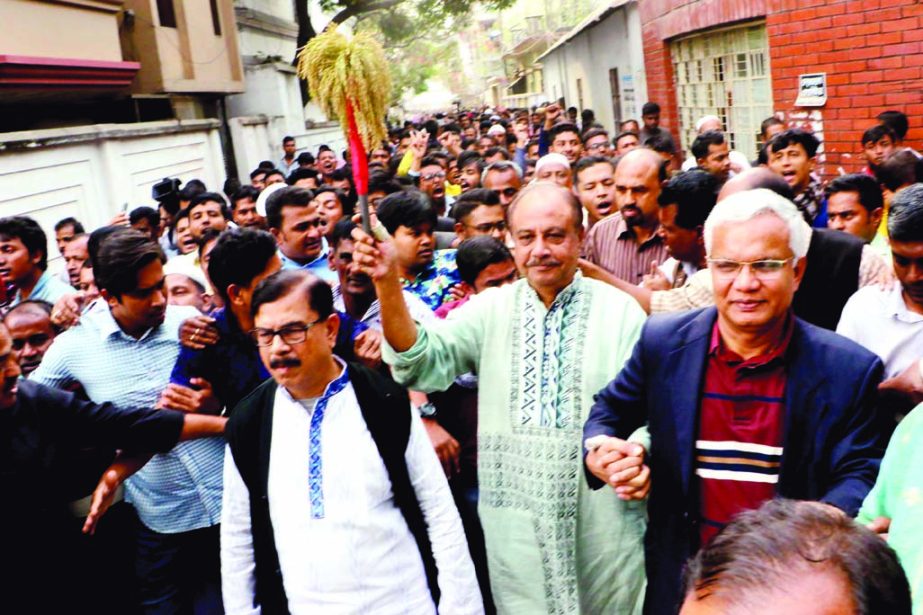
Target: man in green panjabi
[{"x": 541, "y": 347}]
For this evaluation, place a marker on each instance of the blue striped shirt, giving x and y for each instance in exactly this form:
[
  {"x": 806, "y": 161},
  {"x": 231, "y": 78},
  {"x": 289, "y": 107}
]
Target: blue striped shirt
[
  {"x": 319, "y": 266},
  {"x": 177, "y": 491}
]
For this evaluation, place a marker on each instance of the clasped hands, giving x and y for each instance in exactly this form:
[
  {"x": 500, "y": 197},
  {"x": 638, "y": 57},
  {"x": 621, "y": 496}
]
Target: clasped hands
[{"x": 619, "y": 464}]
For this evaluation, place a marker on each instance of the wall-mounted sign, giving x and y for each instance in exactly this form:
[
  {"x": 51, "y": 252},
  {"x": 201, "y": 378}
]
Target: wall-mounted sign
[{"x": 812, "y": 90}]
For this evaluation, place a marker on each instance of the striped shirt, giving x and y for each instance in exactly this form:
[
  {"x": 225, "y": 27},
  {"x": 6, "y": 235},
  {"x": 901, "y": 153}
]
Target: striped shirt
[
  {"x": 611, "y": 245},
  {"x": 177, "y": 491},
  {"x": 741, "y": 423}
]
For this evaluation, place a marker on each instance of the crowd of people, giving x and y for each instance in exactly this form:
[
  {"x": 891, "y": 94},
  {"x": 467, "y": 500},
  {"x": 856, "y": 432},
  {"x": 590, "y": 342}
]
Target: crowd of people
[{"x": 565, "y": 370}]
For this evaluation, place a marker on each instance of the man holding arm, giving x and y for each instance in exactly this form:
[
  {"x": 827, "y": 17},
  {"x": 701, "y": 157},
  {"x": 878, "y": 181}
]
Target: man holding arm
[
  {"x": 44, "y": 433},
  {"x": 744, "y": 401}
]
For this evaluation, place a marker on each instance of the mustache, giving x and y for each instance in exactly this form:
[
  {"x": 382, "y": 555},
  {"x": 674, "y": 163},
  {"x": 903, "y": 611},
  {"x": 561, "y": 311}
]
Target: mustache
[
  {"x": 284, "y": 362},
  {"x": 543, "y": 263}
]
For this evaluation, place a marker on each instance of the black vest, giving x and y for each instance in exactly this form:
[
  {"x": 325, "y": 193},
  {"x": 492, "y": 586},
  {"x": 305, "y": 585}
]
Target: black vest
[
  {"x": 386, "y": 411},
  {"x": 831, "y": 277}
]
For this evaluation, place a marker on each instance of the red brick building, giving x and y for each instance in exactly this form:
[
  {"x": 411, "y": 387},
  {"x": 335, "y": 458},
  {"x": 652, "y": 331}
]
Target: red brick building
[{"x": 741, "y": 60}]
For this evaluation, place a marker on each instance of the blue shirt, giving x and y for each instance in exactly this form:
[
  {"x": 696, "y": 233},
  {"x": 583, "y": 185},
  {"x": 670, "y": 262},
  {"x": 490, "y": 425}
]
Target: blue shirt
[
  {"x": 178, "y": 491},
  {"x": 319, "y": 266},
  {"x": 48, "y": 288},
  {"x": 232, "y": 366}
]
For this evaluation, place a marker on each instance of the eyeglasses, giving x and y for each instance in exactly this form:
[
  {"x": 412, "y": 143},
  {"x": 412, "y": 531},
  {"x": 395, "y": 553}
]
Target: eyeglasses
[
  {"x": 291, "y": 334},
  {"x": 764, "y": 269},
  {"x": 487, "y": 227},
  {"x": 432, "y": 176},
  {"x": 507, "y": 192},
  {"x": 598, "y": 147},
  {"x": 36, "y": 340}
]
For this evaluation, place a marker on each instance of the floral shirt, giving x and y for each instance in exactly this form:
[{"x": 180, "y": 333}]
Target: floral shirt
[{"x": 433, "y": 283}]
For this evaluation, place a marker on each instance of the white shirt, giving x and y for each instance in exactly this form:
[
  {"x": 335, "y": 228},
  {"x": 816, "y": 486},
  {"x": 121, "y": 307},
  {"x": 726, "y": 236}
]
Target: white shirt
[
  {"x": 668, "y": 268},
  {"x": 737, "y": 159},
  {"x": 360, "y": 557},
  {"x": 879, "y": 320}
]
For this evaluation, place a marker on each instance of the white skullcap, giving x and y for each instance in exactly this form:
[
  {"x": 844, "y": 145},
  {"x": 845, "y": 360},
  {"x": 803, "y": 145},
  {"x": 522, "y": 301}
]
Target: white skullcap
[
  {"x": 550, "y": 159},
  {"x": 705, "y": 119},
  {"x": 185, "y": 266},
  {"x": 496, "y": 129},
  {"x": 264, "y": 196}
]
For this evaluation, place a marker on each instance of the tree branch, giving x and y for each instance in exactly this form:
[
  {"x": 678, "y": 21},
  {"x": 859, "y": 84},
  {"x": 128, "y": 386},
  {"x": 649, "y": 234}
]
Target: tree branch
[{"x": 363, "y": 7}]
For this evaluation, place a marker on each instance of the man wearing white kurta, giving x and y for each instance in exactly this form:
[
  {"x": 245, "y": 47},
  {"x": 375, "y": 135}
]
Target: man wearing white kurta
[
  {"x": 328, "y": 516},
  {"x": 541, "y": 347}
]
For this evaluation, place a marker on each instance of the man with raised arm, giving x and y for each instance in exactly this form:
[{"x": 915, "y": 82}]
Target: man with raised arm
[{"x": 541, "y": 347}]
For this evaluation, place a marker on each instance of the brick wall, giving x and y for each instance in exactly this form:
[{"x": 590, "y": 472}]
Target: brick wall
[{"x": 871, "y": 50}]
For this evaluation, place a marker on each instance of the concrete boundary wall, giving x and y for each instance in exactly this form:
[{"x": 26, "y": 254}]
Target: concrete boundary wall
[
  {"x": 94, "y": 172},
  {"x": 254, "y": 141}
]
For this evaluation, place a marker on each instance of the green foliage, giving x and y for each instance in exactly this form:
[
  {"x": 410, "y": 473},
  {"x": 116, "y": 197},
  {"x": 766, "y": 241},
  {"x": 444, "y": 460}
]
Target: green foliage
[{"x": 416, "y": 34}]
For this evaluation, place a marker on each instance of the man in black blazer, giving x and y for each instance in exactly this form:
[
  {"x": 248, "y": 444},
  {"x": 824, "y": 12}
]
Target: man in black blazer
[{"x": 744, "y": 402}]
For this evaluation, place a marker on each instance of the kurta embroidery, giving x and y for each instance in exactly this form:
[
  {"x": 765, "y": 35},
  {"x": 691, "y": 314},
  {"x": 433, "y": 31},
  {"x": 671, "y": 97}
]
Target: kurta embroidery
[{"x": 315, "y": 467}]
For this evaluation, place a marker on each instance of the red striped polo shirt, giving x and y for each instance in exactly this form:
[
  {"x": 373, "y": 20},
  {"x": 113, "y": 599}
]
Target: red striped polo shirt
[{"x": 741, "y": 424}]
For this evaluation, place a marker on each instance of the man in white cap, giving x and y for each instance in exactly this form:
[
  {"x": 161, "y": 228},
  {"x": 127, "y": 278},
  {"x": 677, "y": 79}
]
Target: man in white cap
[
  {"x": 498, "y": 133},
  {"x": 185, "y": 284},
  {"x": 554, "y": 168}
]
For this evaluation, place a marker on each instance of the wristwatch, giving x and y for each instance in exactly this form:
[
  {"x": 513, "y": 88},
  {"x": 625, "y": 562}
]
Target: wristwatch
[{"x": 427, "y": 410}]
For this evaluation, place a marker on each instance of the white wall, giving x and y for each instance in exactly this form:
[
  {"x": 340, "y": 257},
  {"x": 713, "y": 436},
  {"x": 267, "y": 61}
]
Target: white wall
[
  {"x": 614, "y": 42},
  {"x": 256, "y": 138},
  {"x": 272, "y": 91},
  {"x": 91, "y": 172}
]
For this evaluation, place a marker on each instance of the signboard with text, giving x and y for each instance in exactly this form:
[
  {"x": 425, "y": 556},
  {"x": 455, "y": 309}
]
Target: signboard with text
[{"x": 812, "y": 90}]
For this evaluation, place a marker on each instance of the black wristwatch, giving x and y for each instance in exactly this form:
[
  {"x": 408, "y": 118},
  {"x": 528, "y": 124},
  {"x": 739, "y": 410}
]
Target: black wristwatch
[{"x": 427, "y": 410}]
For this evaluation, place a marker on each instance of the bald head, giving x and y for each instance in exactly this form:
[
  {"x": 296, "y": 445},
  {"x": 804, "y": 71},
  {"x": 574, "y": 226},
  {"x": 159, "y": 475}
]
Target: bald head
[
  {"x": 638, "y": 178},
  {"x": 550, "y": 192},
  {"x": 642, "y": 158},
  {"x": 757, "y": 177},
  {"x": 30, "y": 309}
]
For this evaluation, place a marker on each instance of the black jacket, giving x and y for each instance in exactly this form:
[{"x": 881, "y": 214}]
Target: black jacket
[{"x": 385, "y": 409}]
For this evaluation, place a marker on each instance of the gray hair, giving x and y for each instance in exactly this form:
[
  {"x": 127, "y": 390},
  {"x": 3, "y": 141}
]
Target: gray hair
[
  {"x": 501, "y": 165},
  {"x": 749, "y": 204},
  {"x": 905, "y": 219}
]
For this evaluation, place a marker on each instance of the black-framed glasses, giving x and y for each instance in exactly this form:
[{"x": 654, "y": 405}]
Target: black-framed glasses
[
  {"x": 432, "y": 176},
  {"x": 291, "y": 334},
  {"x": 763, "y": 269}
]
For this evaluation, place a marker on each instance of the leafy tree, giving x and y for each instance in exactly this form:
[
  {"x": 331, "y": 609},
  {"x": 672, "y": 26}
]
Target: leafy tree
[{"x": 415, "y": 33}]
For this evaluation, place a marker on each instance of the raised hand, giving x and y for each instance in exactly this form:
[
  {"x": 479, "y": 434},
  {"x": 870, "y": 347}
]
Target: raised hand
[{"x": 375, "y": 256}]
